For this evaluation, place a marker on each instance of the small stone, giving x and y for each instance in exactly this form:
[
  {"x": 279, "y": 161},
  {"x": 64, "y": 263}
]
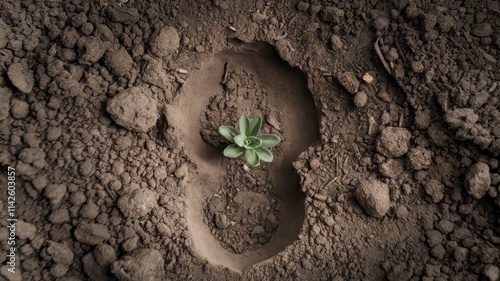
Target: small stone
[
  {"x": 336, "y": 42},
  {"x": 491, "y": 272},
  {"x": 142, "y": 264},
  {"x": 360, "y": 99},
  {"x": 402, "y": 212},
  {"x": 482, "y": 29},
  {"x": 137, "y": 204},
  {"x": 349, "y": 81},
  {"x": 393, "y": 142},
  {"x": 373, "y": 196},
  {"x": 119, "y": 62},
  {"x": 134, "y": 108},
  {"x": 19, "y": 109},
  {"x": 165, "y": 42},
  {"x": 419, "y": 158},
  {"x": 417, "y": 66},
  {"x": 22, "y": 78},
  {"x": 221, "y": 221},
  {"x": 478, "y": 180},
  {"x": 92, "y": 233},
  {"x": 200, "y": 48}
]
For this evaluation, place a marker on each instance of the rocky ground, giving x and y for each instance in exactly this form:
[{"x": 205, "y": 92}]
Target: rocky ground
[{"x": 388, "y": 111}]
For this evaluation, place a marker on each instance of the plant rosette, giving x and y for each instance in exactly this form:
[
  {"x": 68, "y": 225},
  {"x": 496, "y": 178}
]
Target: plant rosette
[{"x": 248, "y": 141}]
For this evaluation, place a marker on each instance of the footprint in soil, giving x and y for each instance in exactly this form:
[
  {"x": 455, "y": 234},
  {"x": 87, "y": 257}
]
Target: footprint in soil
[{"x": 239, "y": 215}]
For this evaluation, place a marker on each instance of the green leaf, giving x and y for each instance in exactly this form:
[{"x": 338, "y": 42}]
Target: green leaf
[
  {"x": 264, "y": 154},
  {"x": 228, "y": 132},
  {"x": 254, "y": 128},
  {"x": 240, "y": 140},
  {"x": 269, "y": 140},
  {"x": 244, "y": 124},
  {"x": 233, "y": 151},
  {"x": 252, "y": 142},
  {"x": 252, "y": 157}
]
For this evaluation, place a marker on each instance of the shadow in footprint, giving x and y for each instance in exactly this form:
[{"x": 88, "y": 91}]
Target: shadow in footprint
[{"x": 287, "y": 93}]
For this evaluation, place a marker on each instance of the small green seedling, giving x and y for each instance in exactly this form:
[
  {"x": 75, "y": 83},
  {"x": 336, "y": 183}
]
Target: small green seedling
[{"x": 249, "y": 141}]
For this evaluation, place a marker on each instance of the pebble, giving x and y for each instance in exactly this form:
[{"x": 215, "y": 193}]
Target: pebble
[
  {"x": 22, "y": 78},
  {"x": 349, "y": 81},
  {"x": 142, "y": 264},
  {"x": 92, "y": 233},
  {"x": 478, "y": 180},
  {"x": 360, "y": 99},
  {"x": 134, "y": 108},
  {"x": 393, "y": 142},
  {"x": 165, "y": 42},
  {"x": 336, "y": 42},
  {"x": 373, "y": 196},
  {"x": 119, "y": 62},
  {"x": 137, "y": 203},
  {"x": 492, "y": 272}
]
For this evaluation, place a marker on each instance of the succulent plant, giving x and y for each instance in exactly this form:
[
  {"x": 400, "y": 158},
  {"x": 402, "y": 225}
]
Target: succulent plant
[{"x": 248, "y": 141}]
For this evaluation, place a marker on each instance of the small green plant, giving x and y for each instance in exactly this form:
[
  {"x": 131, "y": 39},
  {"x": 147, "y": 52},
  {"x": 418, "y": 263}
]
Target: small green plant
[{"x": 248, "y": 141}]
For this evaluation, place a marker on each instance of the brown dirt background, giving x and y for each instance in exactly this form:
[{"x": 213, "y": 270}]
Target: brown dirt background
[{"x": 115, "y": 190}]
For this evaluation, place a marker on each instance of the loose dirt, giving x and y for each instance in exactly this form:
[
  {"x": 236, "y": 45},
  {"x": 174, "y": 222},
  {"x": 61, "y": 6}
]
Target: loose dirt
[{"x": 388, "y": 111}]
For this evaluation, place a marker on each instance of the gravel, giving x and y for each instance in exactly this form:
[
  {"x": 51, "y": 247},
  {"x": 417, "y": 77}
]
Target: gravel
[
  {"x": 477, "y": 180},
  {"x": 373, "y": 195}
]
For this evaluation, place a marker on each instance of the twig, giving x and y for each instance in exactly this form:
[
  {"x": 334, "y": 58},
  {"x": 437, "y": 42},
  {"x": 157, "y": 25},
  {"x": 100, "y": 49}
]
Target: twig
[
  {"x": 381, "y": 57},
  {"x": 226, "y": 69}
]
